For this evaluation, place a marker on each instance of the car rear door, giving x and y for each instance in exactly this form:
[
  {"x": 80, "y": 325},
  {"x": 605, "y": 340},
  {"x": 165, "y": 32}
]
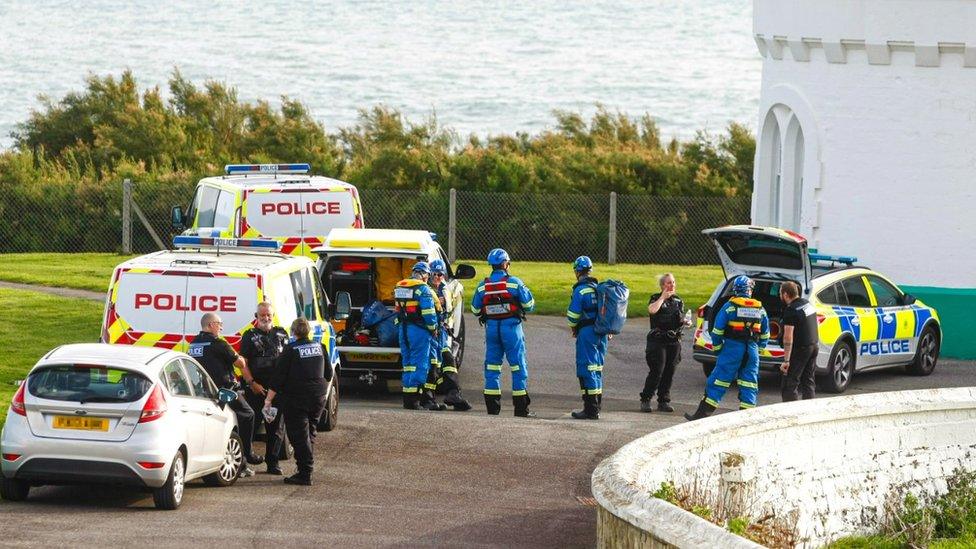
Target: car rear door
[
  {"x": 861, "y": 317},
  {"x": 192, "y": 416},
  {"x": 763, "y": 251},
  {"x": 213, "y": 424},
  {"x": 147, "y": 307},
  {"x": 896, "y": 322},
  {"x": 323, "y": 209}
]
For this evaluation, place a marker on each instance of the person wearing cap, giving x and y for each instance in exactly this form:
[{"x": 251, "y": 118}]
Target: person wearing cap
[
  {"x": 740, "y": 330},
  {"x": 417, "y": 321},
  {"x": 501, "y": 302},
  {"x": 591, "y": 348},
  {"x": 442, "y": 362}
]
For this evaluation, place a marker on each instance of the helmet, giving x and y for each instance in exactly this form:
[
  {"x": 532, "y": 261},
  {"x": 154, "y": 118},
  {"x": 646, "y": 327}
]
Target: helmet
[
  {"x": 742, "y": 286},
  {"x": 582, "y": 263},
  {"x": 421, "y": 267},
  {"x": 438, "y": 266},
  {"x": 497, "y": 257}
]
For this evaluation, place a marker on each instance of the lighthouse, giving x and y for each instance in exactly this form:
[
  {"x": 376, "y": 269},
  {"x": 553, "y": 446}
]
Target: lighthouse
[{"x": 866, "y": 141}]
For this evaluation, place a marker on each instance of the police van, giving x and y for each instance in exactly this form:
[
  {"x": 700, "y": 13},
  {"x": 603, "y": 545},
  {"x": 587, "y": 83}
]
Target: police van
[
  {"x": 275, "y": 201},
  {"x": 367, "y": 264},
  {"x": 864, "y": 320}
]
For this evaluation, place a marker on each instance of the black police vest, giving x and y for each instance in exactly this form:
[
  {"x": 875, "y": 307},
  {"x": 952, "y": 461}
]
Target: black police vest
[
  {"x": 668, "y": 317},
  {"x": 209, "y": 352},
  {"x": 266, "y": 348}
]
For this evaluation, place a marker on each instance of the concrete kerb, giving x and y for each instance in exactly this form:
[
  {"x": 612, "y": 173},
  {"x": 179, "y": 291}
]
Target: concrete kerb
[{"x": 623, "y": 483}]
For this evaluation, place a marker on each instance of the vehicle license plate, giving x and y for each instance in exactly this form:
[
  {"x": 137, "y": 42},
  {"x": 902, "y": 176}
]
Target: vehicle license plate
[
  {"x": 81, "y": 423},
  {"x": 372, "y": 357}
]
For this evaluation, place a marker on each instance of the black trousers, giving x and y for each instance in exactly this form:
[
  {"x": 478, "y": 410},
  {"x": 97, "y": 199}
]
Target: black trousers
[
  {"x": 662, "y": 357},
  {"x": 274, "y": 431},
  {"x": 245, "y": 421},
  {"x": 799, "y": 379},
  {"x": 302, "y": 414}
]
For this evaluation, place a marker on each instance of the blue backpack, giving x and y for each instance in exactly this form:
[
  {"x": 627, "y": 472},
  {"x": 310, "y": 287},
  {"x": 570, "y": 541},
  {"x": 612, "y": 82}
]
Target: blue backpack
[
  {"x": 383, "y": 321},
  {"x": 611, "y": 307}
]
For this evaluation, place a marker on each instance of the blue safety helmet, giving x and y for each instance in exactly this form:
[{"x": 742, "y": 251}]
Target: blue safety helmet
[
  {"x": 497, "y": 257},
  {"x": 742, "y": 286},
  {"x": 421, "y": 267},
  {"x": 438, "y": 266},
  {"x": 582, "y": 263}
]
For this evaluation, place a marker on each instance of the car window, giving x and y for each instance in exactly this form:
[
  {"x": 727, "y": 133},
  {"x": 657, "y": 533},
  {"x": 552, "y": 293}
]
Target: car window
[
  {"x": 886, "y": 294},
  {"x": 202, "y": 386},
  {"x": 857, "y": 292},
  {"x": 829, "y": 295},
  {"x": 224, "y": 210},
  {"x": 175, "y": 378},
  {"x": 320, "y": 297},
  {"x": 87, "y": 383},
  {"x": 206, "y": 206},
  {"x": 304, "y": 290}
]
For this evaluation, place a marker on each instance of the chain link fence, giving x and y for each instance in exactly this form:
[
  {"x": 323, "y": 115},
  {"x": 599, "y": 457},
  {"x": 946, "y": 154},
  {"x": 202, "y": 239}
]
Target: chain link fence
[{"x": 532, "y": 227}]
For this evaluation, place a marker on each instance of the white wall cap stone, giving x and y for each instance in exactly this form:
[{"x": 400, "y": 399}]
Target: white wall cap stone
[
  {"x": 927, "y": 56},
  {"x": 835, "y": 52},
  {"x": 799, "y": 49},
  {"x": 878, "y": 54},
  {"x": 969, "y": 56},
  {"x": 761, "y": 44},
  {"x": 776, "y": 46}
]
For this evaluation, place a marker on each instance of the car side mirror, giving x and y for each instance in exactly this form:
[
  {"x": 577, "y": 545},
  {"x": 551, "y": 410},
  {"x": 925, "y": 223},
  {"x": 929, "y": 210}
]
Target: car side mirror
[
  {"x": 343, "y": 306},
  {"x": 225, "y": 396},
  {"x": 176, "y": 217},
  {"x": 463, "y": 271},
  {"x": 908, "y": 299}
]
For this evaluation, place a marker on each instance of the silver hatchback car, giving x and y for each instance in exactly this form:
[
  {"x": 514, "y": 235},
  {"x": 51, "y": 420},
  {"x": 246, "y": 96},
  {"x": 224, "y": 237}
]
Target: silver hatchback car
[{"x": 118, "y": 414}]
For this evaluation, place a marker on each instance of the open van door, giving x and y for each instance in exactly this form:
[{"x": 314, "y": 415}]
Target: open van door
[{"x": 763, "y": 251}]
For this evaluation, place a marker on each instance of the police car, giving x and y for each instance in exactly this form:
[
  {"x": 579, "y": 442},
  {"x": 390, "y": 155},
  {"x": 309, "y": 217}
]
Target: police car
[
  {"x": 367, "y": 264},
  {"x": 276, "y": 201},
  {"x": 158, "y": 299},
  {"x": 865, "y": 320}
]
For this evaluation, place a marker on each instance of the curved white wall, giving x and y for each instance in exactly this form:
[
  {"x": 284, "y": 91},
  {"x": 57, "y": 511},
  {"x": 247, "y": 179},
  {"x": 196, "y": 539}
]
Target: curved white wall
[{"x": 833, "y": 461}]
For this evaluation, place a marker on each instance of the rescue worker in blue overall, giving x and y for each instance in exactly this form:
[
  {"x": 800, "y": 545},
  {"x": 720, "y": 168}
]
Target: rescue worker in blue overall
[
  {"x": 500, "y": 302},
  {"x": 591, "y": 348},
  {"x": 740, "y": 330},
  {"x": 446, "y": 380},
  {"x": 417, "y": 319}
]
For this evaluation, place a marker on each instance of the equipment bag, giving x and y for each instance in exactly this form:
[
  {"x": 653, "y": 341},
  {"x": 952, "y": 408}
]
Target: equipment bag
[
  {"x": 383, "y": 322},
  {"x": 611, "y": 307}
]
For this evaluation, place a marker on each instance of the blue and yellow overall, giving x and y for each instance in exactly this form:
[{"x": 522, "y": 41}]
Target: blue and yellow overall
[
  {"x": 591, "y": 348},
  {"x": 740, "y": 329},
  {"x": 417, "y": 318},
  {"x": 501, "y": 302}
]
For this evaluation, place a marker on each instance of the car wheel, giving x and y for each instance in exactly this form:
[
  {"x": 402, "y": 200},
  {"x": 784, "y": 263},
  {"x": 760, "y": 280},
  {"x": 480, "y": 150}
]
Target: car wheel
[
  {"x": 707, "y": 367},
  {"x": 459, "y": 353},
  {"x": 12, "y": 489},
  {"x": 170, "y": 495},
  {"x": 840, "y": 369},
  {"x": 330, "y": 417},
  {"x": 231, "y": 466},
  {"x": 927, "y": 354}
]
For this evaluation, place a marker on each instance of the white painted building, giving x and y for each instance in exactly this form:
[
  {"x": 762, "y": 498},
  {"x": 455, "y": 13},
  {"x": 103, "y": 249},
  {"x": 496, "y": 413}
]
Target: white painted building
[{"x": 867, "y": 140}]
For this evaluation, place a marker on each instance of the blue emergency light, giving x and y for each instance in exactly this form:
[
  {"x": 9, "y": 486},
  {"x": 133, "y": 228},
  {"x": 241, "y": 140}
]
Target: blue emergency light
[
  {"x": 237, "y": 169},
  {"x": 845, "y": 259},
  {"x": 214, "y": 242}
]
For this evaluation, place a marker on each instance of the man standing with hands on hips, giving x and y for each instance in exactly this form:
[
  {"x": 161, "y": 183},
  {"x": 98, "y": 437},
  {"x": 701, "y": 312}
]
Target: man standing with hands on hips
[{"x": 801, "y": 343}]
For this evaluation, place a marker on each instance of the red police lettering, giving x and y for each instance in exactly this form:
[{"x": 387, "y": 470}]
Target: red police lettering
[
  {"x": 205, "y": 303},
  {"x": 294, "y": 208}
]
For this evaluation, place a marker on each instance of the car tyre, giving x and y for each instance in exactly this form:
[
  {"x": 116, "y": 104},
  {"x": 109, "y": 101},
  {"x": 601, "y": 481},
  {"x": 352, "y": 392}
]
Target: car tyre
[
  {"x": 330, "y": 417},
  {"x": 169, "y": 496},
  {"x": 840, "y": 369},
  {"x": 230, "y": 468},
  {"x": 926, "y": 355},
  {"x": 12, "y": 489}
]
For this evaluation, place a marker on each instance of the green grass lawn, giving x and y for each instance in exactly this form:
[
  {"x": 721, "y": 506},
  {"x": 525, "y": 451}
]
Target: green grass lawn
[
  {"x": 35, "y": 324},
  {"x": 79, "y": 271}
]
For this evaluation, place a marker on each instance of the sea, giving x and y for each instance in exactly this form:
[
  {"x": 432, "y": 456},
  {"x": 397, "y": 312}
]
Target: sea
[{"x": 482, "y": 68}]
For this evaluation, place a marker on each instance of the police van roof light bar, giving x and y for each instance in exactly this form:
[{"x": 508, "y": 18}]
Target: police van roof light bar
[
  {"x": 237, "y": 169},
  {"x": 214, "y": 242},
  {"x": 845, "y": 259}
]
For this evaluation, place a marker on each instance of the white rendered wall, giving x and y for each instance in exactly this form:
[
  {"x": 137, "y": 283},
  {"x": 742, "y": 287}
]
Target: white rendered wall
[{"x": 885, "y": 94}]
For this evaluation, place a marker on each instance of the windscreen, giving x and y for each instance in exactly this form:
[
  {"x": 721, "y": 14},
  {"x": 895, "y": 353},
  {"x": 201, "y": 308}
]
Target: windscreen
[
  {"x": 87, "y": 383},
  {"x": 307, "y": 213},
  {"x": 761, "y": 251}
]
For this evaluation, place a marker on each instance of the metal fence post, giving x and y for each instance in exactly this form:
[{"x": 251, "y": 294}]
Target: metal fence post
[
  {"x": 612, "y": 252},
  {"x": 452, "y": 227},
  {"x": 127, "y": 216}
]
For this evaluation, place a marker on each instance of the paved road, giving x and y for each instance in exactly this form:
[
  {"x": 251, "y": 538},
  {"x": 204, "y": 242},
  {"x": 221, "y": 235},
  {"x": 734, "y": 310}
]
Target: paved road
[{"x": 388, "y": 477}]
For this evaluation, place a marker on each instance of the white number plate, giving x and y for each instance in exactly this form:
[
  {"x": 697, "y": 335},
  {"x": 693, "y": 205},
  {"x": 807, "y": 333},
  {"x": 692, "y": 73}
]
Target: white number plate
[
  {"x": 750, "y": 313},
  {"x": 497, "y": 309}
]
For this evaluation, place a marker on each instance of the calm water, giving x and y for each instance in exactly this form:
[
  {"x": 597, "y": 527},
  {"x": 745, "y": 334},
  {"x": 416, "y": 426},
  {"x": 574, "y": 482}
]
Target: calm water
[{"x": 483, "y": 67}]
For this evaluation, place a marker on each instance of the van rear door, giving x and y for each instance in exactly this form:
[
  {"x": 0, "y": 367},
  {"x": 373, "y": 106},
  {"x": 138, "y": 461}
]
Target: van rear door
[
  {"x": 301, "y": 217},
  {"x": 763, "y": 251}
]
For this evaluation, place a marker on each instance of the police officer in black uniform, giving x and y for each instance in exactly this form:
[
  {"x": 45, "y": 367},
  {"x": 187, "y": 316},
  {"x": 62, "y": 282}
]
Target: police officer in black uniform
[
  {"x": 801, "y": 344},
  {"x": 302, "y": 373},
  {"x": 260, "y": 346},
  {"x": 663, "y": 351},
  {"x": 218, "y": 358}
]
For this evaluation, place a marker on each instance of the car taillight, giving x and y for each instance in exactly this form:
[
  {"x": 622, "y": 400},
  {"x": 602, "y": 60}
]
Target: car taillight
[
  {"x": 17, "y": 404},
  {"x": 155, "y": 407},
  {"x": 821, "y": 318},
  {"x": 11, "y": 457},
  {"x": 701, "y": 312},
  {"x": 151, "y": 464}
]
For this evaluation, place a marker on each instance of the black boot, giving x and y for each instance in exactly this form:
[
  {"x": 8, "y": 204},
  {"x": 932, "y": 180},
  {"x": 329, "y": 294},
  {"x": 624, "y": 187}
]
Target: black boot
[
  {"x": 704, "y": 410},
  {"x": 521, "y": 403},
  {"x": 591, "y": 409},
  {"x": 410, "y": 401},
  {"x": 455, "y": 399},
  {"x": 494, "y": 404}
]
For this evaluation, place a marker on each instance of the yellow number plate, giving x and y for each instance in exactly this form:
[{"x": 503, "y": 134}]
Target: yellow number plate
[
  {"x": 81, "y": 423},
  {"x": 372, "y": 357}
]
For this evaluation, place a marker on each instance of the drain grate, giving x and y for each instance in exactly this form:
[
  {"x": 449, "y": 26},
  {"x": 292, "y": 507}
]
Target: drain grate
[{"x": 587, "y": 501}]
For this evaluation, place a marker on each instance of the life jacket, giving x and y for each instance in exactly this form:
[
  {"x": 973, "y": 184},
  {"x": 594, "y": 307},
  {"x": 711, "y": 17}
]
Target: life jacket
[
  {"x": 406, "y": 295},
  {"x": 498, "y": 303},
  {"x": 746, "y": 322}
]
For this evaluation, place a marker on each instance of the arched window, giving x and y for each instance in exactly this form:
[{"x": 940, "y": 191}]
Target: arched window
[{"x": 779, "y": 185}]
